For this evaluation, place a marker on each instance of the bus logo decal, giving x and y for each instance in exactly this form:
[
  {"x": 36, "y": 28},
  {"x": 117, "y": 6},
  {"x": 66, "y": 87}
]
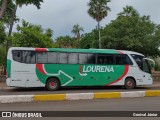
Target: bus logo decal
[
  {"x": 80, "y": 71},
  {"x": 41, "y": 68},
  {"x": 61, "y": 72},
  {"x": 87, "y": 69}
]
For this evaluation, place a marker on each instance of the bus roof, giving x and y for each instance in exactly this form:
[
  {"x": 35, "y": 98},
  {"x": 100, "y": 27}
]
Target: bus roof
[
  {"x": 131, "y": 52},
  {"x": 109, "y": 51}
]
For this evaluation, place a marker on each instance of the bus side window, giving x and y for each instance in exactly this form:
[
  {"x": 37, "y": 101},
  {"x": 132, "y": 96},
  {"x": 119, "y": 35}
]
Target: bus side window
[
  {"x": 109, "y": 59},
  {"x": 91, "y": 59},
  {"x": 101, "y": 59},
  {"x": 52, "y": 57},
  {"x": 63, "y": 58},
  {"x": 29, "y": 57},
  {"x": 41, "y": 57},
  {"x": 17, "y": 55},
  {"x": 73, "y": 58},
  {"x": 123, "y": 60},
  {"x": 105, "y": 59},
  {"x": 82, "y": 58},
  {"x": 128, "y": 60}
]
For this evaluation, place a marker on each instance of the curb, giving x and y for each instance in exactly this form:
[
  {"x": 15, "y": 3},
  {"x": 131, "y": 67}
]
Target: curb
[{"x": 78, "y": 96}]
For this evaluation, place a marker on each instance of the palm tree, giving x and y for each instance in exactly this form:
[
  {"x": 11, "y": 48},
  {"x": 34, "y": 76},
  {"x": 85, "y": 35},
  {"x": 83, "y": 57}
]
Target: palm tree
[
  {"x": 98, "y": 10},
  {"x": 76, "y": 30},
  {"x": 128, "y": 11},
  {"x": 49, "y": 32}
]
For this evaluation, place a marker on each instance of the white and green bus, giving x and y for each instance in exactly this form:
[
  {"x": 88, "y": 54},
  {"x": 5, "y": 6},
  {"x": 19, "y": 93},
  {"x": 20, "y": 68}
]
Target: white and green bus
[{"x": 56, "y": 67}]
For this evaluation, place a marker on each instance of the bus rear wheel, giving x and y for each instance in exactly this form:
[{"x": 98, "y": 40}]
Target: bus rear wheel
[
  {"x": 52, "y": 84},
  {"x": 130, "y": 83}
]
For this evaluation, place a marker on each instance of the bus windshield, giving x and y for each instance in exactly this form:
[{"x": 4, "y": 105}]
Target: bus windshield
[{"x": 142, "y": 63}]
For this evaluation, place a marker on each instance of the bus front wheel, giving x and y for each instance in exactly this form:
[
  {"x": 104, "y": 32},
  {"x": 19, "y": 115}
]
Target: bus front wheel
[
  {"x": 52, "y": 84},
  {"x": 130, "y": 83}
]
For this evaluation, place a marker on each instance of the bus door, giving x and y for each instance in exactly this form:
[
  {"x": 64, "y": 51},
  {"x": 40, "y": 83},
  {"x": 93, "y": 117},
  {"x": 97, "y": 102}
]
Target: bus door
[{"x": 144, "y": 72}]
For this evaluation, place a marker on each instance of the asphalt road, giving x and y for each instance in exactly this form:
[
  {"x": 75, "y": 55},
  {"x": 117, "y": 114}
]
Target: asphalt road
[{"x": 134, "y": 104}]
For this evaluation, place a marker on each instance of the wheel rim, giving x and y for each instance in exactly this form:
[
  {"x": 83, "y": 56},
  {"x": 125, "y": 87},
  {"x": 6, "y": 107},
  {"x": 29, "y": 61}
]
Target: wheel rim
[
  {"x": 129, "y": 83},
  {"x": 52, "y": 85}
]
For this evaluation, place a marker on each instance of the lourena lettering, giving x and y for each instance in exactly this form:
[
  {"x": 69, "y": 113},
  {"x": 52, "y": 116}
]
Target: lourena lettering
[{"x": 98, "y": 69}]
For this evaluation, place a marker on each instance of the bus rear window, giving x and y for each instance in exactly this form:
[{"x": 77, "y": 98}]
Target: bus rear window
[{"x": 17, "y": 55}]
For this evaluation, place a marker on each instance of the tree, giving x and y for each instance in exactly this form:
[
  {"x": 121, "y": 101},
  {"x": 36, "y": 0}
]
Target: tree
[
  {"x": 76, "y": 30},
  {"x": 49, "y": 32},
  {"x": 89, "y": 40},
  {"x": 132, "y": 32},
  {"x": 2, "y": 33},
  {"x": 3, "y": 7},
  {"x": 66, "y": 42},
  {"x": 3, "y": 55},
  {"x": 128, "y": 11},
  {"x": 37, "y": 3},
  {"x": 98, "y": 10},
  {"x": 10, "y": 13},
  {"x": 30, "y": 35},
  {"x": 20, "y": 3}
]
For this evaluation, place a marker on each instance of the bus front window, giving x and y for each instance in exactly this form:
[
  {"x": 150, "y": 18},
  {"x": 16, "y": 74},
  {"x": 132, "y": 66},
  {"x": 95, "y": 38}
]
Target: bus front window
[
  {"x": 146, "y": 67},
  {"x": 139, "y": 60},
  {"x": 142, "y": 63}
]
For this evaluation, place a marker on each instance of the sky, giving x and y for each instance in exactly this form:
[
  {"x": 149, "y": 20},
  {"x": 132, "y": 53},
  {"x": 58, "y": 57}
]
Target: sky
[{"x": 61, "y": 15}]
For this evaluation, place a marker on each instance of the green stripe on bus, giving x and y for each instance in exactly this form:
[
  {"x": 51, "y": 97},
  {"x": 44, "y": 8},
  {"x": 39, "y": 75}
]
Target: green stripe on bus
[
  {"x": 109, "y": 51},
  {"x": 9, "y": 68}
]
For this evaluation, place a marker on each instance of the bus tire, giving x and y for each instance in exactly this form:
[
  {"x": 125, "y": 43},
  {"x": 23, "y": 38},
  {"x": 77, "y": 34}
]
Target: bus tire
[
  {"x": 52, "y": 84},
  {"x": 130, "y": 83}
]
